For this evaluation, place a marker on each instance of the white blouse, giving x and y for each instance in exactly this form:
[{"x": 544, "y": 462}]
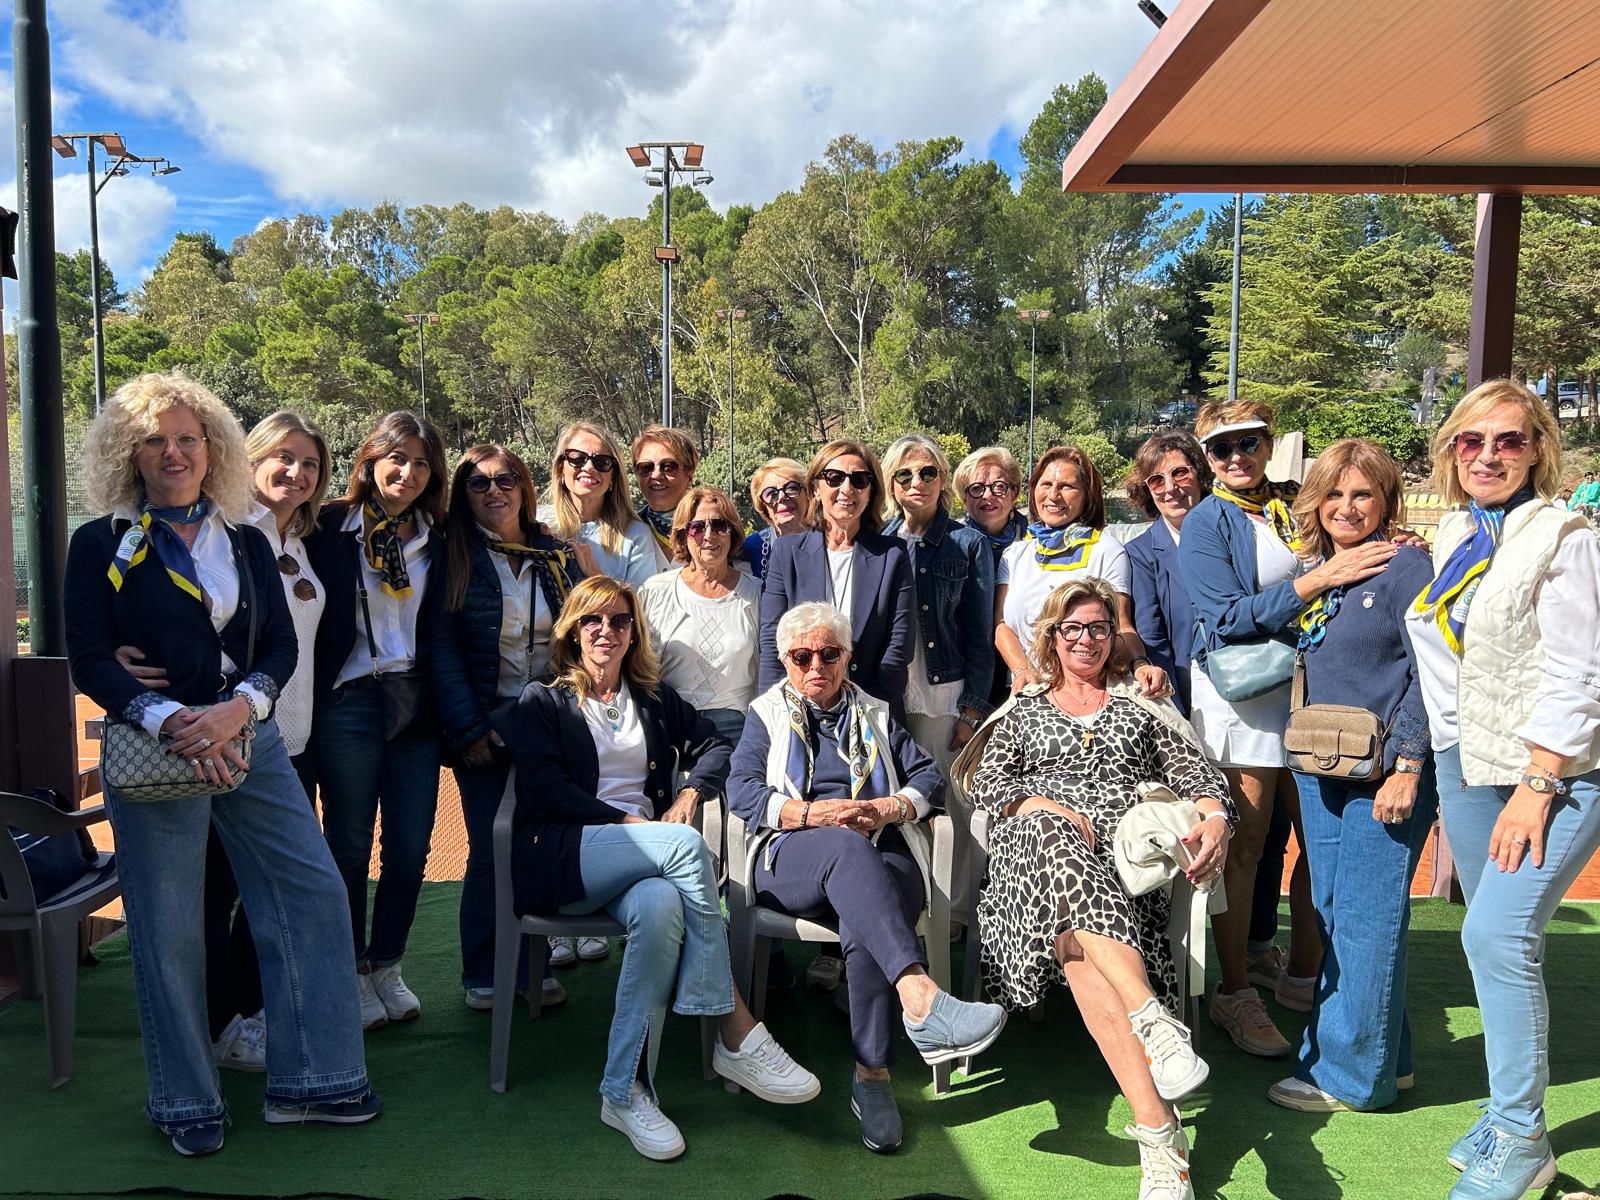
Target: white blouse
[
  {"x": 622, "y": 755},
  {"x": 709, "y": 648},
  {"x": 394, "y": 621},
  {"x": 524, "y": 651},
  {"x": 294, "y": 700}
]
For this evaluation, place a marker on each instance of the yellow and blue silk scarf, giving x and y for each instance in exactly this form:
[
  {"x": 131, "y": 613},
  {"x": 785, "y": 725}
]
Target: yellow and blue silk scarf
[
  {"x": 1448, "y": 597},
  {"x": 386, "y": 553},
  {"x": 551, "y": 567},
  {"x": 661, "y": 525},
  {"x": 1063, "y": 549},
  {"x": 1270, "y": 500},
  {"x": 157, "y": 528}
]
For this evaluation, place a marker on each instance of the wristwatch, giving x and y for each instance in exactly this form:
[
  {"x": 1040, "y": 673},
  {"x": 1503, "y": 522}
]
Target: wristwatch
[
  {"x": 1404, "y": 767},
  {"x": 1543, "y": 785}
]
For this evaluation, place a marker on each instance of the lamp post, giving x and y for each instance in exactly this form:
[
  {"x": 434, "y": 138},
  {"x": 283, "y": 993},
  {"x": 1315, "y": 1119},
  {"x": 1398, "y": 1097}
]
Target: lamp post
[
  {"x": 1032, "y": 316},
  {"x": 65, "y": 144},
  {"x": 671, "y": 163},
  {"x": 731, "y": 315},
  {"x": 422, "y": 320},
  {"x": 1233, "y": 315}
]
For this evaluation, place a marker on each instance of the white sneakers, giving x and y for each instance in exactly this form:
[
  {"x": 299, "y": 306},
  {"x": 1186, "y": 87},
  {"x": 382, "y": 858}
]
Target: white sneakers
[
  {"x": 243, "y": 1044},
  {"x": 1301, "y": 1096},
  {"x": 385, "y": 997},
  {"x": 764, "y": 1068},
  {"x": 643, "y": 1123},
  {"x": 373, "y": 1014},
  {"x": 1175, "y": 1067},
  {"x": 1163, "y": 1162},
  {"x": 565, "y": 951}
]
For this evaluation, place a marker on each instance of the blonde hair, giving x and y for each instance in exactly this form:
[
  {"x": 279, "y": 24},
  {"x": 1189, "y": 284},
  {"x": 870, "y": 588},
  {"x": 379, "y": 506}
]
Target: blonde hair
[
  {"x": 640, "y": 666},
  {"x": 788, "y": 468},
  {"x": 615, "y": 514},
  {"x": 132, "y": 414},
  {"x": 1214, "y": 414},
  {"x": 1000, "y": 457},
  {"x": 684, "y": 513},
  {"x": 1360, "y": 454},
  {"x": 899, "y": 450},
  {"x": 1491, "y": 393},
  {"x": 1056, "y": 607},
  {"x": 270, "y": 433}
]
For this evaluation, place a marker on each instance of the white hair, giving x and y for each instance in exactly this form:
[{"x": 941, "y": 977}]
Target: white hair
[{"x": 808, "y": 617}]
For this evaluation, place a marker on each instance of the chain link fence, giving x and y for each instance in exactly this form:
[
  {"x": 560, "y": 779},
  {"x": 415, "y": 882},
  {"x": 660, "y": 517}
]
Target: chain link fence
[{"x": 78, "y": 511}]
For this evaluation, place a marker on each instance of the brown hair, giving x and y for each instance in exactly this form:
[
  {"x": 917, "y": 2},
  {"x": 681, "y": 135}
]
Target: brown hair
[
  {"x": 1055, "y": 610},
  {"x": 1214, "y": 414},
  {"x": 1491, "y": 393},
  {"x": 1148, "y": 457},
  {"x": 872, "y": 510},
  {"x": 1094, "y": 506},
  {"x": 615, "y": 515},
  {"x": 679, "y": 442},
  {"x": 461, "y": 535},
  {"x": 269, "y": 433},
  {"x": 684, "y": 513},
  {"x": 383, "y": 441},
  {"x": 1359, "y": 454},
  {"x": 640, "y": 666}
]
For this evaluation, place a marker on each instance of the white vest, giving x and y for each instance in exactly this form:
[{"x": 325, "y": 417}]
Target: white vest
[{"x": 1503, "y": 653}]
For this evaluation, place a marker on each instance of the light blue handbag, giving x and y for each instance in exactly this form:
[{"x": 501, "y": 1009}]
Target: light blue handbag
[{"x": 1245, "y": 670}]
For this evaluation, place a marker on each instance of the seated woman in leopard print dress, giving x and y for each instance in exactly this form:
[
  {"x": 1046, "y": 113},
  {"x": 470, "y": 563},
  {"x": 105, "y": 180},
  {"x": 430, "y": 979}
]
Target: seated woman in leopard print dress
[{"x": 1060, "y": 768}]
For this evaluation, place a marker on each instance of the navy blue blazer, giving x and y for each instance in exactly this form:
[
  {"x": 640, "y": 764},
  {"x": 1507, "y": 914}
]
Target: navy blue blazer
[
  {"x": 1163, "y": 614},
  {"x": 882, "y": 617},
  {"x": 1217, "y": 558}
]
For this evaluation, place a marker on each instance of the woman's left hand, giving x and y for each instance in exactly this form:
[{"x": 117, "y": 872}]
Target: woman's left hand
[
  {"x": 211, "y": 730},
  {"x": 1152, "y": 681},
  {"x": 1395, "y": 798},
  {"x": 683, "y": 808},
  {"x": 1520, "y": 828},
  {"x": 1207, "y": 841},
  {"x": 962, "y": 732},
  {"x": 876, "y": 813}
]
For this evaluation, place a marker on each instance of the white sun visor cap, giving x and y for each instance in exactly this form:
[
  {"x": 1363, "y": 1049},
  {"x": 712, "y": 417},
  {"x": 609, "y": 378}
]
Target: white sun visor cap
[{"x": 1236, "y": 427}]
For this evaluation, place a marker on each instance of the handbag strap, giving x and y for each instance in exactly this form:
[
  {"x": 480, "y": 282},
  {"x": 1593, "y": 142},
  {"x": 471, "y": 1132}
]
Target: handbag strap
[
  {"x": 247, "y": 576},
  {"x": 1297, "y": 689}
]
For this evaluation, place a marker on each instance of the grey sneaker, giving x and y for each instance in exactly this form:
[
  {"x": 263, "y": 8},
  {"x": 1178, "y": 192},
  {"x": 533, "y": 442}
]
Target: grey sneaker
[
  {"x": 955, "y": 1028},
  {"x": 872, "y": 1102}
]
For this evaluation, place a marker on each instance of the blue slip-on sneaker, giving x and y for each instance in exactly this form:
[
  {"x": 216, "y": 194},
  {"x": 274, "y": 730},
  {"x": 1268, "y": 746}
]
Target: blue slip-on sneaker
[
  {"x": 193, "y": 1141},
  {"x": 1507, "y": 1167},
  {"x": 955, "y": 1028},
  {"x": 357, "y": 1111},
  {"x": 1465, "y": 1148},
  {"x": 872, "y": 1102}
]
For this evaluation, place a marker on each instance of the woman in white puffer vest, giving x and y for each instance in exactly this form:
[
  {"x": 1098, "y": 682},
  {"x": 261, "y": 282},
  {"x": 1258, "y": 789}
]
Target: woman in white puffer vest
[{"x": 1509, "y": 660}]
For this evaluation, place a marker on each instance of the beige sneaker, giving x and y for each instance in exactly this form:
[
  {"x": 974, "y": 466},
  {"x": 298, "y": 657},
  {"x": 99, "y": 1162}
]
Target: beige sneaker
[
  {"x": 1300, "y": 995},
  {"x": 1243, "y": 1017}
]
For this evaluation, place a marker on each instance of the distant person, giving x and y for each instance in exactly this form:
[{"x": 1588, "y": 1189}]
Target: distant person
[
  {"x": 988, "y": 482},
  {"x": 664, "y": 463},
  {"x": 782, "y": 498}
]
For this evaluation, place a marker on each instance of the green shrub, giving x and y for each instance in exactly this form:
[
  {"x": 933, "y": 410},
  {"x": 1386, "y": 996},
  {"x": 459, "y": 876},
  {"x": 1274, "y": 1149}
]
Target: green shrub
[
  {"x": 22, "y": 630},
  {"x": 1384, "y": 419}
]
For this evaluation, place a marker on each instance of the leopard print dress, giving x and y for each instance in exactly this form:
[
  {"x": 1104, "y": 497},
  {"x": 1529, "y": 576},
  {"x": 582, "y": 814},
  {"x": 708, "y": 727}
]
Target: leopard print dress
[{"x": 1043, "y": 877}]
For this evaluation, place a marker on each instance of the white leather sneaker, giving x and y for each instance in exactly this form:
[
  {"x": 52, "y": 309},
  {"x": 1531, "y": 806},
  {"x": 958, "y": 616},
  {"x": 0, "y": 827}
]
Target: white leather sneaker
[
  {"x": 373, "y": 1014},
  {"x": 593, "y": 949},
  {"x": 1175, "y": 1067},
  {"x": 243, "y": 1045},
  {"x": 763, "y": 1068},
  {"x": 644, "y": 1124},
  {"x": 399, "y": 1002},
  {"x": 563, "y": 952},
  {"x": 1163, "y": 1162}
]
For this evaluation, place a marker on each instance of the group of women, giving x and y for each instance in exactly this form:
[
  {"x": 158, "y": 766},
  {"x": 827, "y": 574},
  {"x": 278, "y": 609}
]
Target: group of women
[{"x": 821, "y": 676}]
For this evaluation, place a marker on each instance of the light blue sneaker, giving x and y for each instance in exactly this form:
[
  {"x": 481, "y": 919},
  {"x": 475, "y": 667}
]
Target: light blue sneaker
[
  {"x": 1466, "y": 1146},
  {"x": 1508, "y": 1167},
  {"x": 955, "y": 1028}
]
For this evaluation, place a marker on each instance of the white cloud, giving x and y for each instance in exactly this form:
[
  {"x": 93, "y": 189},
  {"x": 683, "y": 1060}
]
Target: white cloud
[{"x": 531, "y": 103}]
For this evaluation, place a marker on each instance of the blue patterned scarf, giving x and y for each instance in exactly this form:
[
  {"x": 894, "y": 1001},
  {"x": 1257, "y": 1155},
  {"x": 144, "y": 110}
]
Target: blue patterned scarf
[
  {"x": 857, "y": 745},
  {"x": 157, "y": 528},
  {"x": 661, "y": 525},
  {"x": 1448, "y": 597},
  {"x": 1016, "y": 525},
  {"x": 1063, "y": 549}
]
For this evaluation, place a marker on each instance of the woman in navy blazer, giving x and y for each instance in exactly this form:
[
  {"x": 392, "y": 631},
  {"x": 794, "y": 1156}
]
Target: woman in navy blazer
[{"x": 845, "y": 561}]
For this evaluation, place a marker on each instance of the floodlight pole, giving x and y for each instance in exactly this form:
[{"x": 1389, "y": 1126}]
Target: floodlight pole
[
  {"x": 666, "y": 289},
  {"x": 1233, "y": 318},
  {"x": 733, "y": 314},
  {"x": 422, "y": 320},
  {"x": 1033, "y": 316}
]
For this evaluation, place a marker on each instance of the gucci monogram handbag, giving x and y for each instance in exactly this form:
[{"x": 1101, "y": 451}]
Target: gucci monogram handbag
[{"x": 1336, "y": 741}]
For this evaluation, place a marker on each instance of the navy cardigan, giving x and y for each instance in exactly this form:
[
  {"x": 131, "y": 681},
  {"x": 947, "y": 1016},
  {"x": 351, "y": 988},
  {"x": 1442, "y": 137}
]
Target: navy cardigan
[
  {"x": 558, "y": 774},
  {"x": 1163, "y": 614},
  {"x": 1217, "y": 558},
  {"x": 465, "y": 645},
  {"x": 172, "y": 628},
  {"x": 882, "y": 620}
]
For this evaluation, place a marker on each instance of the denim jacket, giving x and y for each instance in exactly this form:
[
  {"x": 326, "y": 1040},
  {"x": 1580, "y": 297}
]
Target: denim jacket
[{"x": 955, "y": 606}]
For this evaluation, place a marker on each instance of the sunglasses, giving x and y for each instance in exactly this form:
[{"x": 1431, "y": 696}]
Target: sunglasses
[
  {"x": 667, "y": 466},
  {"x": 697, "y": 528},
  {"x": 505, "y": 481},
  {"x": 789, "y": 491},
  {"x": 1511, "y": 445},
  {"x": 1177, "y": 477},
  {"x": 999, "y": 489},
  {"x": 577, "y": 460},
  {"x": 905, "y": 475},
  {"x": 1072, "y": 631},
  {"x": 860, "y": 480},
  {"x": 1222, "y": 449},
  {"x": 304, "y": 589},
  {"x": 619, "y": 622},
  {"x": 830, "y": 655}
]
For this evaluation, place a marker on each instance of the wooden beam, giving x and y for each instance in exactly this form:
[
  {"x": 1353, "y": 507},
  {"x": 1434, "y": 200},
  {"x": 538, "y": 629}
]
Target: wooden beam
[
  {"x": 1350, "y": 177},
  {"x": 1494, "y": 287}
]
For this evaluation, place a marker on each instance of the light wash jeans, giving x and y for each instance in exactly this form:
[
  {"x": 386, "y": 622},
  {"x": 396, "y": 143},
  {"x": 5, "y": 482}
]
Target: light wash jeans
[
  {"x": 298, "y": 917},
  {"x": 1504, "y": 931},
  {"x": 659, "y": 883},
  {"x": 1359, "y": 1038}
]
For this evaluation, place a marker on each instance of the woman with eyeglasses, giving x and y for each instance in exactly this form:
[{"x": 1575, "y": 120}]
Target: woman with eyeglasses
[
  {"x": 1240, "y": 561},
  {"x": 988, "y": 481},
  {"x": 703, "y": 617},
  {"x": 379, "y": 550},
  {"x": 664, "y": 463},
  {"x": 847, "y": 562},
  {"x": 1066, "y": 540},
  {"x": 597, "y": 750},
  {"x": 590, "y": 501},
  {"x": 779, "y": 492},
  {"x": 1511, "y": 682},
  {"x": 505, "y": 579}
]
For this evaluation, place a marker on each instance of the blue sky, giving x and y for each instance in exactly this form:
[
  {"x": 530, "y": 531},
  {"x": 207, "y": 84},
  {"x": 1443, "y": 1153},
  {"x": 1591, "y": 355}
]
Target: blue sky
[{"x": 306, "y": 105}]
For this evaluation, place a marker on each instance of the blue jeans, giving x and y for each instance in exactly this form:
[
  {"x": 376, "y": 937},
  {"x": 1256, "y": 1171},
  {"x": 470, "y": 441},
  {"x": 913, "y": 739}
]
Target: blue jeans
[
  {"x": 728, "y": 722},
  {"x": 1504, "y": 931},
  {"x": 357, "y": 772},
  {"x": 301, "y": 928},
  {"x": 1359, "y": 1038},
  {"x": 659, "y": 883}
]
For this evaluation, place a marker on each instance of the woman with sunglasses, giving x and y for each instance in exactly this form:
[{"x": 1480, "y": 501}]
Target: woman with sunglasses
[
  {"x": 590, "y": 501},
  {"x": 781, "y": 498},
  {"x": 505, "y": 579},
  {"x": 1509, "y": 679},
  {"x": 379, "y": 550},
  {"x": 988, "y": 481},
  {"x": 1240, "y": 561},
  {"x": 664, "y": 463},
  {"x": 600, "y": 825},
  {"x": 703, "y": 616}
]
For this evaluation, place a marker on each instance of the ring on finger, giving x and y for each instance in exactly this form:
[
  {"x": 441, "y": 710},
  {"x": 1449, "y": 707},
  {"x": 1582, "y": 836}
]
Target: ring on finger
[{"x": 211, "y": 762}]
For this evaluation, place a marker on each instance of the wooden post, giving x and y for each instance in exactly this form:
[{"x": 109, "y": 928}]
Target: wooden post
[{"x": 1494, "y": 287}]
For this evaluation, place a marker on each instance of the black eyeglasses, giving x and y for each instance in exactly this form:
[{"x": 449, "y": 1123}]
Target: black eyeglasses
[
  {"x": 304, "y": 589},
  {"x": 667, "y": 466},
  {"x": 1000, "y": 488},
  {"x": 860, "y": 480},
  {"x": 1222, "y": 449},
  {"x": 789, "y": 491},
  {"x": 1072, "y": 631},
  {"x": 1178, "y": 476},
  {"x": 717, "y": 525},
  {"x": 577, "y": 460},
  {"x": 619, "y": 622},
  {"x": 802, "y": 657},
  {"x": 505, "y": 481},
  {"x": 926, "y": 474}
]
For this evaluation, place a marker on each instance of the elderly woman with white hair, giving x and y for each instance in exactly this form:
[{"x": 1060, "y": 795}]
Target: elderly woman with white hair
[
  {"x": 176, "y": 569},
  {"x": 836, "y": 795}
]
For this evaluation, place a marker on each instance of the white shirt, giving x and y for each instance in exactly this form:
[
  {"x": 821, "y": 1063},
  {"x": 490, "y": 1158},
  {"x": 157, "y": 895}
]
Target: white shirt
[
  {"x": 1028, "y": 585},
  {"x": 524, "y": 653},
  {"x": 842, "y": 579},
  {"x": 394, "y": 622},
  {"x": 1566, "y": 709},
  {"x": 294, "y": 699},
  {"x": 623, "y": 757},
  {"x": 924, "y": 698},
  {"x": 709, "y": 648}
]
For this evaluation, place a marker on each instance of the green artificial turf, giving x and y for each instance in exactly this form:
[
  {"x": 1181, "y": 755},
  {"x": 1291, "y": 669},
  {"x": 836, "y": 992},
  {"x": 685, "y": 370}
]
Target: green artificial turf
[{"x": 1040, "y": 1117}]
